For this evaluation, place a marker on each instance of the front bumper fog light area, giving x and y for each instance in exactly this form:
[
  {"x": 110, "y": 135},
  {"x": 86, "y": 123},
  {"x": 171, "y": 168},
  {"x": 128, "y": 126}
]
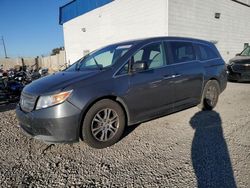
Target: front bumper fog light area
[{"x": 51, "y": 100}]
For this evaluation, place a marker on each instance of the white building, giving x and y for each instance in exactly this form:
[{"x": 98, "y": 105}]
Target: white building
[{"x": 90, "y": 24}]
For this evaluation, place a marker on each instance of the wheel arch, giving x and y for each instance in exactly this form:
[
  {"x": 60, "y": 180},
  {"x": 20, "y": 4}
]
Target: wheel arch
[
  {"x": 203, "y": 104},
  {"x": 215, "y": 79},
  {"x": 110, "y": 97}
]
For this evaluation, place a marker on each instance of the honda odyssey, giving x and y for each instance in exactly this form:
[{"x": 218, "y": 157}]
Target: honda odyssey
[{"x": 121, "y": 85}]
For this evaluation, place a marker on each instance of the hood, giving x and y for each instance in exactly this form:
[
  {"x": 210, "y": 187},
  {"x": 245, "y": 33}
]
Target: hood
[
  {"x": 57, "y": 82},
  {"x": 241, "y": 59}
]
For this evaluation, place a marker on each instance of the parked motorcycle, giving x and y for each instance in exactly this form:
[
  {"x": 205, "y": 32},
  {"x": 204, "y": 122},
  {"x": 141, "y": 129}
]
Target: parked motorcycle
[
  {"x": 1, "y": 71},
  {"x": 10, "y": 90},
  {"x": 13, "y": 81}
]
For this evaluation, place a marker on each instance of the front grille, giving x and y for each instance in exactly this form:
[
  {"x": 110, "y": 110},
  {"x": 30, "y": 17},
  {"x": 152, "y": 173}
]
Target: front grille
[
  {"x": 35, "y": 131},
  {"x": 241, "y": 68},
  {"x": 27, "y": 102}
]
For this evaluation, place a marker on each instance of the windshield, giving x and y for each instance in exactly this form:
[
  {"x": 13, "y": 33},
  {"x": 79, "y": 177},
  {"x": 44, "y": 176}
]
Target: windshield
[
  {"x": 100, "y": 59},
  {"x": 246, "y": 52}
]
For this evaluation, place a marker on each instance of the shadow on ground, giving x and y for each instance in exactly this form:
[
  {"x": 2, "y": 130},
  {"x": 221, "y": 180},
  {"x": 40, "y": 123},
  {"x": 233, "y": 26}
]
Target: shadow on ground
[
  {"x": 237, "y": 82},
  {"x": 210, "y": 157},
  {"x": 129, "y": 129},
  {"x": 7, "y": 107}
]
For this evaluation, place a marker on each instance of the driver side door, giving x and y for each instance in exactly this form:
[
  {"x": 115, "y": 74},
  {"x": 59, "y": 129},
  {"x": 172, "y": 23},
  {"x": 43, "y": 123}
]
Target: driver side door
[{"x": 150, "y": 91}]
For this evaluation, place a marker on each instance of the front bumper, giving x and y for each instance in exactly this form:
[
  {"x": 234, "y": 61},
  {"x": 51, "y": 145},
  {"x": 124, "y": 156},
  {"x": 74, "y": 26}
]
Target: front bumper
[
  {"x": 239, "y": 75},
  {"x": 57, "y": 124}
]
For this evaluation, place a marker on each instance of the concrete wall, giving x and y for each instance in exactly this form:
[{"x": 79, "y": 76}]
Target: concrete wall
[
  {"x": 117, "y": 21},
  {"x": 53, "y": 63},
  {"x": 196, "y": 18},
  {"x": 12, "y": 62}
]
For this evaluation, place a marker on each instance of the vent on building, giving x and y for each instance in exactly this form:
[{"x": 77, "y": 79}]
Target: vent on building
[
  {"x": 83, "y": 29},
  {"x": 246, "y": 45},
  {"x": 217, "y": 15}
]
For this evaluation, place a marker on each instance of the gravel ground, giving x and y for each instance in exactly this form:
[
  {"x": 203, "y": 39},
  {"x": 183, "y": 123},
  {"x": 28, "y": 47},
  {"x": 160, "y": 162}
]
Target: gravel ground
[{"x": 186, "y": 149}]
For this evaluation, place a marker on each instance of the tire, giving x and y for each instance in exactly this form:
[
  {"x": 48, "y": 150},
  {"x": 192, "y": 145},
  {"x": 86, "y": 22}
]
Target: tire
[
  {"x": 100, "y": 130},
  {"x": 210, "y": 95}
]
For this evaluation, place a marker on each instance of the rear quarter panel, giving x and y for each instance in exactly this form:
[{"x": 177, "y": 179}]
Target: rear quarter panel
[{"x": 216, "y": 69}]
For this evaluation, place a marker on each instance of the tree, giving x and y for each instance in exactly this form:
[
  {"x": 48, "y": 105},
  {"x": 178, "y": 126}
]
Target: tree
[{"x": 56, "y": 50}]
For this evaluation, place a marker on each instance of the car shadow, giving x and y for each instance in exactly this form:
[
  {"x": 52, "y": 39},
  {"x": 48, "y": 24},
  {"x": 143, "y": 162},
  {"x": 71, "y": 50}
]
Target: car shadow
[
  {"x": 7, "y": 107},
  {"x": 128, "y": 130},
  {"x": 237, "y": 82},
  {"x": 209, "y": 153}
]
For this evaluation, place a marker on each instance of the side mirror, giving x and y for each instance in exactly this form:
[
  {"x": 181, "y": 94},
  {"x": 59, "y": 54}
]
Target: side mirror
[
  {"x": 237, "y": 54},
  {"x": 139, "y": 66}
]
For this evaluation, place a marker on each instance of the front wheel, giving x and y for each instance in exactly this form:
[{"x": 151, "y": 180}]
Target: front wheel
[
  {"x": 104, "y": 124},
  {"x": 210, "y": 95}
]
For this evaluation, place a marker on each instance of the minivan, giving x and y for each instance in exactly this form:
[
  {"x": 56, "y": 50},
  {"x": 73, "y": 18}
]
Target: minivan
[{"x": 122, "y": 84}]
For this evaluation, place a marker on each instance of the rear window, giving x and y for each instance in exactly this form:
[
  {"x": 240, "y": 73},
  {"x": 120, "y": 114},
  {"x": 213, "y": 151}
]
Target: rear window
[
  {"x": 182, "y": 52},
  {"x": 206, "y": 52}
]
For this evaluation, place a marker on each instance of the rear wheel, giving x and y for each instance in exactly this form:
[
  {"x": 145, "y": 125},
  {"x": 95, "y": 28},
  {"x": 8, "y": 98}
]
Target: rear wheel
[
  {"x": 210, "y": 95},
  {"x": 104, "y": 124}
]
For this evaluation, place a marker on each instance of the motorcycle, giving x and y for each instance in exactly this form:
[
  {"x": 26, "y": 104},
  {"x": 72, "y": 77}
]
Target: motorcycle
[
  {"x": 10, "y": 90},
  {"x": 13, "y": 81}
]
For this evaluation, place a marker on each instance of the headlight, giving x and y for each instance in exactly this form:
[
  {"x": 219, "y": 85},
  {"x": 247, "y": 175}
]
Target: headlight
[{"x": 51, "y": 100}]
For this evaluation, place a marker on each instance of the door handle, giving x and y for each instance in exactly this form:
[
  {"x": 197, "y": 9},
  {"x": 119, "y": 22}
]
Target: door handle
[
  {"x": 177, "y": 75},
  {"x": 166, "y": 77}
]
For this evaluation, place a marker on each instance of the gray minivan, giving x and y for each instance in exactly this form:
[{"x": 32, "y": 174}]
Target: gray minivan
[{"x": 120, "y": 85}]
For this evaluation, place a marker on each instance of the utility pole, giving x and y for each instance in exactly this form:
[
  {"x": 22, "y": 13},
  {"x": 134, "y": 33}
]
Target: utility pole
[{"x": 4, "y": 48}]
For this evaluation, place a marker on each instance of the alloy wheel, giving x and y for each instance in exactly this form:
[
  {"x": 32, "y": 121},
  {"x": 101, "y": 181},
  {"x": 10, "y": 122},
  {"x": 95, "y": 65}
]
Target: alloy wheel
[
  {"x": 211, "y": 95},
  {"x": 105, "y": 125}
]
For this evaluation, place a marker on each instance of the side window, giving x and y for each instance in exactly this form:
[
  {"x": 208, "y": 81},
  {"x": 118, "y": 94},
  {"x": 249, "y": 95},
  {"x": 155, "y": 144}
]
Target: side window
[
  {"x": 152, "y": 54},
  {"x": 124, "y": 70},
  {"x": 182, "y": 52},
  {"x": 90, "y": 62},
  {"x": 138, "y": 56},
  {"x": 206, "y": 52}
]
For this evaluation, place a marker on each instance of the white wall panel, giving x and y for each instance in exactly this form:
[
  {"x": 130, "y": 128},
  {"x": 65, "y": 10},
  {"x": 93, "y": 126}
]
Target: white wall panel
[
  {"x": 196, "y": 18},
  {"x": 118, "y": 21},
  {"x": 130, "y": 19}
]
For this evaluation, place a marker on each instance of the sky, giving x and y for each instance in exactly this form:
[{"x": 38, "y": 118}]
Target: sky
[{"x": 30, "y": 27}]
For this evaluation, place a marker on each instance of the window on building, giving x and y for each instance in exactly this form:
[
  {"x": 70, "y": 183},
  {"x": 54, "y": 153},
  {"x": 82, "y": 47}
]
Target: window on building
[{"x": 246, "y": 45}]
